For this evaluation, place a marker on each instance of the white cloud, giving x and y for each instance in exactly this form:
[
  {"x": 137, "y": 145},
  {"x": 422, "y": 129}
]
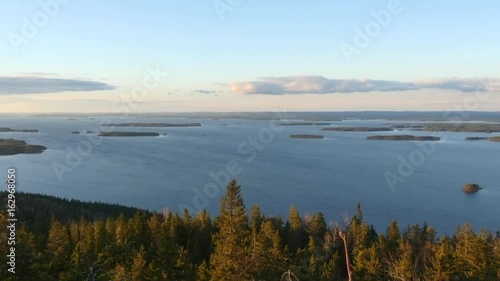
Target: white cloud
[
  {"x": 43, "y": 85},
  {"x": 321, "y": 85}
]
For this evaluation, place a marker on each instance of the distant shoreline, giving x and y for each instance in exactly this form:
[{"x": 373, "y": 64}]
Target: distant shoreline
[{"x": 308, "y": 116}]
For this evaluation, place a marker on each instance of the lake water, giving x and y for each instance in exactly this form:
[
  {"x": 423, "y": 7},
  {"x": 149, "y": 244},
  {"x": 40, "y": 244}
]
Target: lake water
[{"x": 329, "y": 175}]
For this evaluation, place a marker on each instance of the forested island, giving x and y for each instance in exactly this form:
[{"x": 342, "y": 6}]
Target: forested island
[
  {"x": 128, "y": 134},
  {"x": 495, "y": 139},
  {"x": 59, "y": 239},
  {"x": 413, "y": 127},
  {"x": 7, "y": 129},
  {"x": 154, "y": 125},
  {"x": 453, "y": 127},
  {"x": 404, "y": 138},
  {"x": 13, "y": 147},
  {"x": 358, "y": 129},
  {"x": 304, "y": 124},
  {"x": 307, "y": 136}
]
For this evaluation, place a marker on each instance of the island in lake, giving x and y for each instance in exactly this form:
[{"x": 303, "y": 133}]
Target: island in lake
[
  {"x": 413, "y": 127},
  {"x": 13, "y": 147},
  {"x": 307, "y": 136},
  {"x": 129, "y": 134},
  {"x": 472, "y": 188},
  {"x": 453, "y": 127},
  {"x": 495, "y": 139},
  {"x": 358, "y": 129},
  {"x": 304, "y": 124},
  {"x": 404, "y": 138},
  {"x": 154, "y": 125},
  {"x": 7, "y": 129}
]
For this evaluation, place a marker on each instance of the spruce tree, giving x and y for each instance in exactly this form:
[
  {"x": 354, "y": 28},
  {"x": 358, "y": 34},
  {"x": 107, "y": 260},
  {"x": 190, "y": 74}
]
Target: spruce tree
[
  {"x": 230, "y": 259},
  {"x": 58, "y": 247},
  {"x": 139, "y": 265},
  {"x": 441, "y": 266},
  {"x": 296, "y": 234}
]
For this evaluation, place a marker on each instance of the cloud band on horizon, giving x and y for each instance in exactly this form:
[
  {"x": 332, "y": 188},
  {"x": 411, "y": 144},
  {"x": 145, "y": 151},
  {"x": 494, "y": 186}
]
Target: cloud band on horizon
[
  {"x": 304, "y": 84},
  {"x": 43, "y": 85}
]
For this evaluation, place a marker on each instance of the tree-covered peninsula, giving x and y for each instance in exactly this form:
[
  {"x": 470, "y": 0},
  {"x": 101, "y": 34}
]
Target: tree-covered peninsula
[
  {"x": 13, "y": 147},
  {"x": 8, "y": 129}
]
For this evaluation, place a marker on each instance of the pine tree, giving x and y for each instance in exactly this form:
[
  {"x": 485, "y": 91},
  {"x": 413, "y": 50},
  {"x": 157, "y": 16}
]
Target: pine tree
[
  {"x": 203, "y": 240},
  {"x": 58, "y": 247},
  {"x": 317, "y": 227},
  {"x": 139, "y": 265},
  {"x": 367, "y": 264},
  {"x": 121, "y": 274},
  {"x": 121, "y": 229},
  {"x": 314, "y": 260},
  {"x": 404, "y": 267},
  {"x": 183, "y": 269},
  {"x": 296, "y": 233},
  {"x": 203, "y": 272},
  {"x": 256, "y": 253},
  {"x": 393, "y": 236},
  {"x": 441, "y": 266},
  {"x": 274, "y": 257},
  {"x": 230, "y": 260}
]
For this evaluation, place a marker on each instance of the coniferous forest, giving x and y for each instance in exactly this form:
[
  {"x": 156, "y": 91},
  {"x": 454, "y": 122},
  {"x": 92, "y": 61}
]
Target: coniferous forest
[{"x": 60, "y": 239}]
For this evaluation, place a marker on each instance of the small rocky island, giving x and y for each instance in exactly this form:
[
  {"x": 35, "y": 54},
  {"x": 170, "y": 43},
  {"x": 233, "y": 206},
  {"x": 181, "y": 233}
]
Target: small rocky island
[
  {"x": 472, "y": 188},
  {"x": 152, "y": 125},
  {"x": 7, "y": 129},
  {"x": 404, "y": 138},
  {"x": 358, "y": 129},
  {"x": 307, "y": 137},
  {"x": 13, "y": 147},
  {"x": 128, "y": 134}
]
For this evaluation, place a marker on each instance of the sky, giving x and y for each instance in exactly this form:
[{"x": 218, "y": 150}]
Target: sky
[{"x": 241, "y": 55}]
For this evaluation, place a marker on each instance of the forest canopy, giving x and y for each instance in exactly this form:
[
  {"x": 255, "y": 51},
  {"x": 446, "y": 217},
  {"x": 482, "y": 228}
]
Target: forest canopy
[{"x": 82, "y": 241}]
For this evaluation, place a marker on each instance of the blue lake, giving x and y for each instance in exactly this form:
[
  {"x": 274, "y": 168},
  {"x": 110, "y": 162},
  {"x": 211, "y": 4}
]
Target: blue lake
[{"x": 329, "y": 175}]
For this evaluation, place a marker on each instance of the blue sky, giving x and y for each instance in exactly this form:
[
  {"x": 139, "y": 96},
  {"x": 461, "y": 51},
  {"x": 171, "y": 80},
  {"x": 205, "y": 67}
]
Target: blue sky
[{"x": 238, "y": 59}]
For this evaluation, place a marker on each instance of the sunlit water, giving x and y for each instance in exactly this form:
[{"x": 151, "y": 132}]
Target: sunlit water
[{"x": 329, "y": 175}]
